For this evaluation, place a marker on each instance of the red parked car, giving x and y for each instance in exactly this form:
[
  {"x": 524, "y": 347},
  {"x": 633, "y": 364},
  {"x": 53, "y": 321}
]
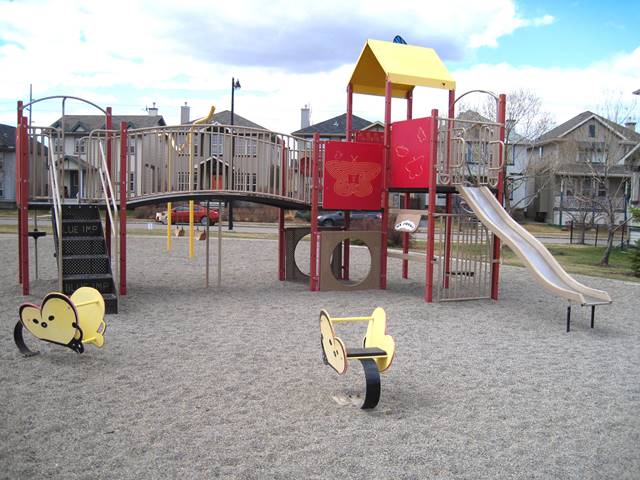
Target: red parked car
[{"x": 181, "y": 215}]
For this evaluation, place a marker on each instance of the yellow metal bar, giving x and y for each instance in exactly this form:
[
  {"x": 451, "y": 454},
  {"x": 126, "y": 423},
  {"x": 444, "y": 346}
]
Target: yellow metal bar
[
  {"x": 351, "y": 319},
  {"x": 88, "y": 302},
  {"x": 191, "y": 249},
  {"x": 169, "y": 227}
]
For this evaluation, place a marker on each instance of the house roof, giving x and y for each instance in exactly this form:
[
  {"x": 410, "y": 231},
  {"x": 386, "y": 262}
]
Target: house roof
[
  {"x": 334, "y": 126},
  {"x": 7, "y": 137},
  {"x": 406, "y": 66},
  {"x": 87, "y": 123},
  {"x": 473, "y": 116},
  {"x": 224, "y": 118},
  {"x": 573, "y": 123}
]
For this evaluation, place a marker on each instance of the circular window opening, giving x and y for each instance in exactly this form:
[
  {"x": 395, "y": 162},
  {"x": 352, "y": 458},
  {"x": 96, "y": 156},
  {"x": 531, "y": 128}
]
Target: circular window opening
[{"x": 359, "y": 262}]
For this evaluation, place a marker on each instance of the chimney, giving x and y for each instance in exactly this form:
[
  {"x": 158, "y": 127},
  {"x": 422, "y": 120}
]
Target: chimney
[
  {"x": 305, "y": 116},
  {"x": 630, "y": 125},
  {"x": 153, "y": 111},
  {"x": 185, "y": 113}
]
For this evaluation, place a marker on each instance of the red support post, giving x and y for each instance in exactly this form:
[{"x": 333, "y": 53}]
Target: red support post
[
  {"x": 123, "y": 207},
  {"x": 385, "y": 184},
  {"x": 314, "y": 284},
  {"x": 107, "y": 222},
  {"x": 449, "y": 204},
  {"x": 19, "y": 185},
  {"x": 431, "y": 221},
  {"x": 24, "y": 203},
  {"x": 346, "y": 245},
  {"x": 495, "y": 267},
  {"x": 349, "y": 111},
  {"x": 406, "y": 201}
]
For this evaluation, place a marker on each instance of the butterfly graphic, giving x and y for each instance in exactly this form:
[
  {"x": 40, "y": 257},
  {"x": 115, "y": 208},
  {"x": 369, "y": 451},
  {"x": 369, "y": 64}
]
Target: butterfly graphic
[{"x": 353, "y": 177}]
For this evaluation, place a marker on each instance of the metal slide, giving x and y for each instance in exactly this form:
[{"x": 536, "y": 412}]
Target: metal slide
[{"x": 546, "y": 270}]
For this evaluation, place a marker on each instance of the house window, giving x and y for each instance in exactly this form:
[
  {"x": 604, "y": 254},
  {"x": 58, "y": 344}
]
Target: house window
[
  {"x": 132, "y": 182},
  {"x": 57, "y": 145},
  {"x": 602, "y": 190},
  {"x": 79, "y": 146},
  {"x": 540, "y": 151},
  {"x": 131, "y": 147},
  {"x": 216, "y": 144},
  {"x": 246, "y": 146},
  {"x": 592, "y": 131}
]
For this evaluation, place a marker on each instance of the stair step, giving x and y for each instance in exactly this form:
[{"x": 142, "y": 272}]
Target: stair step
[
  {"x": 87, "y": 245},
  {"x": 103, "y": 282},
  {"x": 80, "y": 264},
  {"x": 80, "y": 212},
  {"x": 81, "y": 228},
  {"x": 110, "y": 303}
]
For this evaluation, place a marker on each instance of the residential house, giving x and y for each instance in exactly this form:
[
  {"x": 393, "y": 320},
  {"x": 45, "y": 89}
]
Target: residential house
[
  {"x": 213, "y": 147},
  {"x": 72, "y": 144},
  {"x": 335, "y": 128},
  {"x": 7, "y": 166},
  {"x": 587, "y": 158}
]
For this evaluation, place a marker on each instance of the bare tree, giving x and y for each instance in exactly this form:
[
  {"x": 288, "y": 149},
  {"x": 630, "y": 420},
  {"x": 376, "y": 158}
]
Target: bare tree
[
  {"x": 596, "y": 182},
  {"x": 526, "y": 121}
]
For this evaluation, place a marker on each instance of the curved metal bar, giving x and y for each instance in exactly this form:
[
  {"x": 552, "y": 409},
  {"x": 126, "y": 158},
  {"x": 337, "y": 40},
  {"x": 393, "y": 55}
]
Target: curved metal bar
[
  {"x": 64, "y": 97},
  {"x": 372, "y": 376},
  {"x": 19, "y": 340},
  {"x": 477, "y": 91}
]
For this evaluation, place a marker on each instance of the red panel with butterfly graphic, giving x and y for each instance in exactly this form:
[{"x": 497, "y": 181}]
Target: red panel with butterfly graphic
[
  {"x": 410, "y": 153},
  {"x": 352, "y": 176}
]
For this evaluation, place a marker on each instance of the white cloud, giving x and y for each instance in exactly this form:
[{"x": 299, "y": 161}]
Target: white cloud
[{"x": 129, "y": 54}]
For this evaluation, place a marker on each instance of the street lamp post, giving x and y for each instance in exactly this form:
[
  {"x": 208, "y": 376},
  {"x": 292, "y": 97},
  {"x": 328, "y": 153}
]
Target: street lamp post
[{"x": 235, "y": 83}]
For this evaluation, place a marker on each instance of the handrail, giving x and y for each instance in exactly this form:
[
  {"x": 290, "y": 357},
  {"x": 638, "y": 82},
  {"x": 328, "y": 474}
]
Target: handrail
[
  {"x": 57, "y": 210},
  {"x": 105, "y": 177}
]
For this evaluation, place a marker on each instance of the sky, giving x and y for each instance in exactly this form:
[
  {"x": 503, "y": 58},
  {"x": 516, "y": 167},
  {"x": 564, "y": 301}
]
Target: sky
[{"x": 574, "y": 55}]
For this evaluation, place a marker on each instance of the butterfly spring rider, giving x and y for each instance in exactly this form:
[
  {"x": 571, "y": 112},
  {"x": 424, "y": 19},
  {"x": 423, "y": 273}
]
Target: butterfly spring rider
[
  {"x": 69, "y": 321},
  {"x": 376, "y": 355}
]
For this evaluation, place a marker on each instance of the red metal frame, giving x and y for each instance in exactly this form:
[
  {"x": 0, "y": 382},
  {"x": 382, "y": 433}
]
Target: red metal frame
[
  {"x": 428, "y": 294},
  {"x": 346, "y": 245},
  {"x": 24, "y": 204},
  {"x": 107, "y": 221},
  {"x": 18, "y": 185},
  {"x": 314, "y": 283},
  {"x": 406, "y": 201},
  {"x": 385, "y": 185},
  {"x": 281, "y": 239},
  {"x": 123, "y": 208},
  {"x": 495, "y": 267}
]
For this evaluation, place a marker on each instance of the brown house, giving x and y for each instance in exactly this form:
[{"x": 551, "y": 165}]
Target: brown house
[{"x": 583, "y": 162}]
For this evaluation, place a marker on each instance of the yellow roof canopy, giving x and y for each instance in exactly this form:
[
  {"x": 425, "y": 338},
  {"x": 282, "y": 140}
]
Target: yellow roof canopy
[{"x": 406, "y": 66}]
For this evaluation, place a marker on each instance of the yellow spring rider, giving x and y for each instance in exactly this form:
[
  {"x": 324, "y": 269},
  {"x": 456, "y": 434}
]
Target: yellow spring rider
[
  {"x": 375, "y": 356},
  {"x": 68, "y": 321}
]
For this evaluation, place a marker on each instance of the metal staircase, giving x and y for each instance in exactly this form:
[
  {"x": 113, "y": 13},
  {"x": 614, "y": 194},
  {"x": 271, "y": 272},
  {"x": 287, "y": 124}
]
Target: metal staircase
[{"x": 85, "y": 260}]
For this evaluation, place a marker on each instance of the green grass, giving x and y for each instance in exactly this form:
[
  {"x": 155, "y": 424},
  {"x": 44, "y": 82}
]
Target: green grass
[{"x": 585, "y": 260}]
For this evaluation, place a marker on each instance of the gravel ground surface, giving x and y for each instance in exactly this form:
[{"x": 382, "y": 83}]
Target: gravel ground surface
[{"x": 228, "y": 382}]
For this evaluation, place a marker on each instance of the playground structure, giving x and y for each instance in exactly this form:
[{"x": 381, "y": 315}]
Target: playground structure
[
  {"x": 436, "y": 156},
  {"x": 68, "y": 321},
  {"x": 376, "y": 355}
]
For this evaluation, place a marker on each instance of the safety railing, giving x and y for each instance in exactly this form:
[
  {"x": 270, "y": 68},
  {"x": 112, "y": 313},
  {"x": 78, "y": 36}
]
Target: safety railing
[
  {"x": 469, "y": 152},
  {"x": 464, "y": 258},
  {"x": 188, "y": 158}
]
